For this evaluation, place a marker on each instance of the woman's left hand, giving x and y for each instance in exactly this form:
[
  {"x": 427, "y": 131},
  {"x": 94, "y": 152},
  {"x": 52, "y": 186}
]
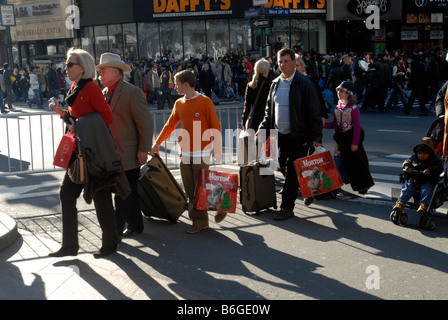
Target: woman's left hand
[{"x": 354, "y": 148}]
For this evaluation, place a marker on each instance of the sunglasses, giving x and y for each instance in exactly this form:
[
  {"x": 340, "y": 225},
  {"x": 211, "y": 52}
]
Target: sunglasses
[{"x": 71, "y": 64}]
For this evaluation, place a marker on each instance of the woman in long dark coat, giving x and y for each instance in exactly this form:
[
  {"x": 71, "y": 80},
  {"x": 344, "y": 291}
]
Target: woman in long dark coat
[{"x": 257, "y": 92}]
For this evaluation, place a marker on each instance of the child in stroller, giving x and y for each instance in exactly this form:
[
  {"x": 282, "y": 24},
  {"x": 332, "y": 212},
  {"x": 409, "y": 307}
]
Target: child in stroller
[{"x": 423, "y": 181}]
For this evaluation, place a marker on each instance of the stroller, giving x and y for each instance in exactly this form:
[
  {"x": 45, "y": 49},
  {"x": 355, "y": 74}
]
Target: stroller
[{"x": 440, "y": 194}]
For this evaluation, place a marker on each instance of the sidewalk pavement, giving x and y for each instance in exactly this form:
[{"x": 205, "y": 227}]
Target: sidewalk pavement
[{"x": 241, "y": 258}]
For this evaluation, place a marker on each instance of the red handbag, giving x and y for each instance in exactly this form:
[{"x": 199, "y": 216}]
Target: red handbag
[
  {"x": 216, "y": 191},
  {"x": 65, "y": 150}
]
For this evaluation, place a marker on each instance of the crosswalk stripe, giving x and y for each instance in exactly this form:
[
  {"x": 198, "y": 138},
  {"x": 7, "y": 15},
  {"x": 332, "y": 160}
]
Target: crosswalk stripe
[
  {"x": 386, "y": 164},
  {"x": 394, "y": 131},
  {"x": 387, "y": 177},
  {"x": 398, "y": 156}
]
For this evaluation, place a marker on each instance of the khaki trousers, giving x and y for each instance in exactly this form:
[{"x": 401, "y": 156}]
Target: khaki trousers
[{"x": 189, "y": 171}]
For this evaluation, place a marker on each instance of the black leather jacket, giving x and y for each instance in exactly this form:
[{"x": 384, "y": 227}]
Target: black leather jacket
[{"x": 305, "y": 114}]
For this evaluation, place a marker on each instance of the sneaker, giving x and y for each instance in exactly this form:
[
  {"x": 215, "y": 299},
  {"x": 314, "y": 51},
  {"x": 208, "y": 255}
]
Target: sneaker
[
  {"x": 5, "y": 111},
  {"x": 423, "y": 208},
  {"x": 399, "y": 206},
  {"x": 308, "y": 201},
  {"x": 29, "y": 103},
  {"x": 284, "y": 214}
]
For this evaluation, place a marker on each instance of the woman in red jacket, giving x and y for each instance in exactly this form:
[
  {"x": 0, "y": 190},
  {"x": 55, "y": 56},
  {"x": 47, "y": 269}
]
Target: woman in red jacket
[{"x": 84, "y": 97}]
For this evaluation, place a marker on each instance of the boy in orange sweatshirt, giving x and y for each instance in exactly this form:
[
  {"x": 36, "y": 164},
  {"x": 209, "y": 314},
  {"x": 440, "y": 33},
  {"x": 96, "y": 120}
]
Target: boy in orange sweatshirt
[{"x": 199, "y": 126}]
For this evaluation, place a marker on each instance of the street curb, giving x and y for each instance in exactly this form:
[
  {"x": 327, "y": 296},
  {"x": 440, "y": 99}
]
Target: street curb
[{"x": 8, "y": 231}]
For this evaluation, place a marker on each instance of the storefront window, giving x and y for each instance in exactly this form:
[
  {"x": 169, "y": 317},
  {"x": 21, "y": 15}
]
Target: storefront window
[
  {"x": 101, "y": 45},
  {"x": 171, "y": 39},
  {"x": 281, "y": 32},
  {"x": 115, "y": 39},
  {"x": 241, "y": 36},
  {"x": 149, "y": 40},
  {"x": 130, "y": 41},
  {"x": 87, "y": 40},
  {"x": 194, "y": 39},
  {"x": 299, "y": 37},
  {"x": 313, "y": 35},
  {"x": 217, "y": 37}
]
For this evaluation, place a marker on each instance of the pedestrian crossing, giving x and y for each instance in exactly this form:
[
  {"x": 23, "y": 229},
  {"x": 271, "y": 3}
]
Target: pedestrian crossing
[{"x": 387, "y": 186}]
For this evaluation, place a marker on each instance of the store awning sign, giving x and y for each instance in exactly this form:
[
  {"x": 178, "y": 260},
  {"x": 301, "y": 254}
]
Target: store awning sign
[
  {"x": 296, "y": 7},
  {"x": 7, "y": 16},
  {"x": 359, "y": 8}
]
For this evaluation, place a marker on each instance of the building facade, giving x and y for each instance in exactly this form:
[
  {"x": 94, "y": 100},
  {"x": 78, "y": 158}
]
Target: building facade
[
  {"x": 191, "y": 29},
  {"x": 41, "y": 33},
  {"x": 425, "y": 25},
  {"x": 184, "y": 29},
  {"x": 347, "y": 25}
]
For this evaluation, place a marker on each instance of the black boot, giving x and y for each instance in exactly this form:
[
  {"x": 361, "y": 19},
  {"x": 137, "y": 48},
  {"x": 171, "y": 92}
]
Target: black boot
[
  {"x": 65, "y": 251},
  {"x": 105, "y": 251}
]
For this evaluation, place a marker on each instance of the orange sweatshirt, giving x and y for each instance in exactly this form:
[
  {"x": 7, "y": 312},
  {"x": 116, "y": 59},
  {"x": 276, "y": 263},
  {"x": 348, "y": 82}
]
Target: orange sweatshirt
[{"x": 196, "y": 116}]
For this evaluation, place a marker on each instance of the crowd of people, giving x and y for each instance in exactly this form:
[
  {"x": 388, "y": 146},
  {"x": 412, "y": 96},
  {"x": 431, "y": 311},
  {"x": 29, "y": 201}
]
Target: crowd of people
[
  {"x": 285, "y": 94},
  {"x": 32, "y": 84},
  {"x": 381, "y": 79}
]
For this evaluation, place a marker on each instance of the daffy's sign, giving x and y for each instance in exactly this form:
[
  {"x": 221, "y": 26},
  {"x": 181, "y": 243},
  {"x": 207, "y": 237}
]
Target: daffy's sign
[
  {"x": 184, "y": 8},
  {"x": 205, "y": 8}
]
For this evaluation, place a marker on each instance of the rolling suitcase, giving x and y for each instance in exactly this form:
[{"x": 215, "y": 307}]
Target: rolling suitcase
[
  {"x": 159, "y": 193},
  {"x": 257, "y": 191}
]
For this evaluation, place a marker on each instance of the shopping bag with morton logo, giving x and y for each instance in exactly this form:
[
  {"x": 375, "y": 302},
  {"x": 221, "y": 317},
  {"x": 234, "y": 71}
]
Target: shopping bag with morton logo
[
  {"x": 216, "y": 191},
  {"x": 317, "y": 174}
]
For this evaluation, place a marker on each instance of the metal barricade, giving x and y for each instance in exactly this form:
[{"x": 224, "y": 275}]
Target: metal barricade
[{"x": 30, "y": 140}]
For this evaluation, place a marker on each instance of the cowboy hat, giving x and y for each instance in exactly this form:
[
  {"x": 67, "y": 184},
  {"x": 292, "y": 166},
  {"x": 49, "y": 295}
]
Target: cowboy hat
[{"x": 114, "y": 61}]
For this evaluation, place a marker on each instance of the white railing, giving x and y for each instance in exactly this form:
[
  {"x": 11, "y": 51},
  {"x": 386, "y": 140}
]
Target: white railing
[{"x": 29, "y": 140}]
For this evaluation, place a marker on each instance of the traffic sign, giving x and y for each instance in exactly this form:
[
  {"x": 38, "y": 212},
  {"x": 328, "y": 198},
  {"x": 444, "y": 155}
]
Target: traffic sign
[
  {"x": 7, "y": 15},
  {"x": 252, "y": 13},
  {"x": 278, "y": 11},
  {"x": 261, "y": 23}
]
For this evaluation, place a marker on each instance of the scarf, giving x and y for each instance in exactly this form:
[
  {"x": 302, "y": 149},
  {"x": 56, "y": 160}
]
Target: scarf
[
  {"x": 71, "y": 97},
  {"x": 74, "y": 93}
]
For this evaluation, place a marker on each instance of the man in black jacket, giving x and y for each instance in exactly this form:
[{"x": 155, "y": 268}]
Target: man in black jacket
[
  {"x": 292, "y": 109},
  {"x": 52, "y": 81}
]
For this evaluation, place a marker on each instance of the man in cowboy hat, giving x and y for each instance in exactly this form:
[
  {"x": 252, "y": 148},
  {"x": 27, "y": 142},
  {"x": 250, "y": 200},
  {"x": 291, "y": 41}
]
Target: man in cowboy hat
[{"x": 132, "y": 130}]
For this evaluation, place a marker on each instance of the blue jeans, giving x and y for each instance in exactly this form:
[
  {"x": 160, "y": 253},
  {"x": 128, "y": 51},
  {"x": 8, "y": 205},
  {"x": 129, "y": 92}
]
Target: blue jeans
[
  {"x": 36, "y": 98},
  {"x": 408, "y": 190},
  {"x": 2, "y": 104}
]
